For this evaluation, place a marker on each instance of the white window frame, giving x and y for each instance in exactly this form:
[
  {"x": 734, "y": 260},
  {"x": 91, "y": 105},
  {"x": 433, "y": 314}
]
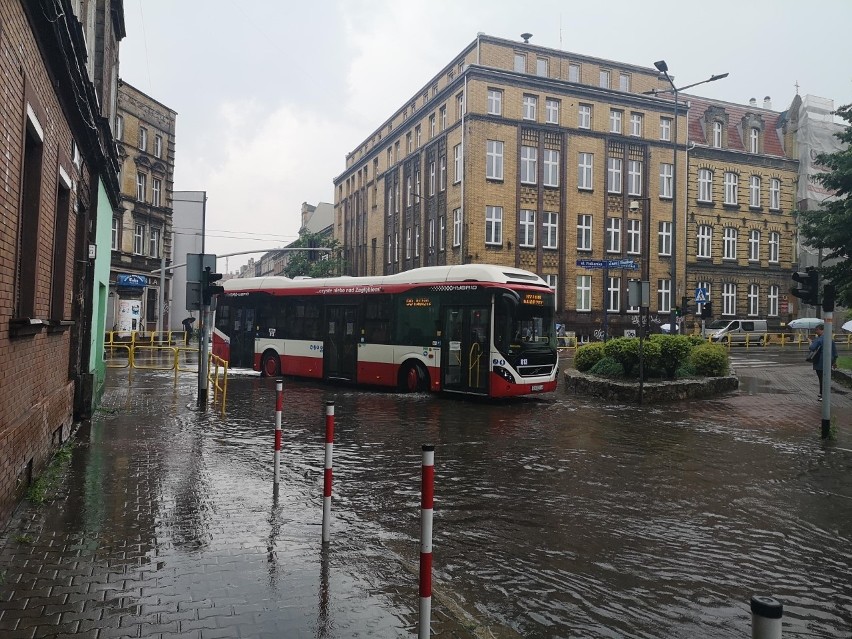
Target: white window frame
[
  {"x": 156, "y": 191},
  {"x": 774, "y": 246},
  {"x": 409, "y": 191},
  {"x": 705, "y": 241},
  {"x": 729, "y": 299},
  {"x": 754, "y": 245},
  {"x": 664, "y": 296},
  {"x": 138, "y": 239},
  {"x": 754, "y": 140},
  {"x": 115, "y": 243},
  {"x": 634, "y": 177},
  {"x": 613, "y": 235},
  {"x": 615, "y": 117},
  {"x": 432, "y": 178},
  {"x": 774, "y": 194},
  {"x": 664, "y": 239},
  {"x": 613, "y": 294},
  {"x": 495, "y": 102},
  {"x": 431, "y": 235},
  {"x": 666, "y": 180},
  {"x": 772, "y": 301},
  {"x": 154, "y": 242},
  {"x": 442, "y": 176},
  {"x": 636, "y": 125},
  {"x": 119, "y": 128},
  {"x": 584, "y": 116},
  {"x": 493, "y": 225},
  {"x": 584, "y": 294},
  {"x": 717, "y": 135},
  {"x": 624, "y": 82},
  {"x": 442, "y": 234},
  {"x": 520, "y": 64},
  {"x": 614, "y": 175},
  {"x": 550, "y": 230},
  {"x": 457, "y": 227},
  {"x": 494, "y": 160},
  {"x": 141, "y": 186},
  {"x": 665, "y": 129},
  {"x": 551, "y": 110},
  {"x": 457, "y": 164},
  {"x": 408, "y": 243},
  {"x": 143, "y": 138},
  {"x": 705, "y": 185},
  {"x": 530, "y": 106},
  {"x": 443, "y": 113},
  {"x": 432, "y": 126},
  {"x": 584, "y": 232},
  {"x": 585, "y": 171},
  {"x": 390, "y": 250},
  {"x": 551, "y": 168},
  {"x": 573, "y": 73},
  {"x": 753, "y": 297},
  {"x": 754, "y": 191},
  {"x": 542, "y": 67},
  {"x": 732, "y": 184},
  {"x": 529, "y": 165},
  {"x": 634, "y": 237},
  {"x": 527, "y": 223},
  {"x": 730, "y": 238},
  {"x": 158, "y": 146},
  {"x": 417, "y": 240},
  {"x": 604, "y": 79}
]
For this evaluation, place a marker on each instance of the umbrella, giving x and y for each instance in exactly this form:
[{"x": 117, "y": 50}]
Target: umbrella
[
  {"x": 805, "y": 322},
  {"x": 847, "y": 326}
]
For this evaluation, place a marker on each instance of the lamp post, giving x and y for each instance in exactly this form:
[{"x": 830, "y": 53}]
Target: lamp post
[{"x": 663, "y": 68}]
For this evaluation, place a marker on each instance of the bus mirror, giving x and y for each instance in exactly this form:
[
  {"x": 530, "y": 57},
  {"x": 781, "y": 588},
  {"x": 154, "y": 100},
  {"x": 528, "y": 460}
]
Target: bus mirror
[{"x": 511, "y": 298}]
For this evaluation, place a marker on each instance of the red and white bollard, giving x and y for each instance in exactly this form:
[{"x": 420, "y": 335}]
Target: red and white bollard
[
  {"x": 326, "y": 495},
  {"x": 279, "y": 407},
  {"x": 427, "y": 491}
]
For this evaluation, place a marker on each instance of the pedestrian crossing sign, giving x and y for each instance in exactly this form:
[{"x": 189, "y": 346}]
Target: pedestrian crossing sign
[{"x": 700, "y": 295}]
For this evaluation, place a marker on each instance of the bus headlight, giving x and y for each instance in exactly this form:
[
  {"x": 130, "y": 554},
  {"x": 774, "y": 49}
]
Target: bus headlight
[{"x": 505, "y": 374}]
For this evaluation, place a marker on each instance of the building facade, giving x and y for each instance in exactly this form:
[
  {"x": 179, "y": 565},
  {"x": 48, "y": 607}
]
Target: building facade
[
  {"x": 59, "y": 174},
  {"x": 740, "y": 203},
  {"x": 519, "y": 155},
  {"x": 141, "y": 237}
]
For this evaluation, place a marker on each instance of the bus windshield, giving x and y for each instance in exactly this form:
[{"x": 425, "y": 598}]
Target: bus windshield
[{"x": 524, "y": 326}]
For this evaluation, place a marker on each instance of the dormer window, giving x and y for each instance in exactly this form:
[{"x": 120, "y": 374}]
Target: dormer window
[
  {"x": 717, "y": 135},
  {"x": 754, "y": 140}
]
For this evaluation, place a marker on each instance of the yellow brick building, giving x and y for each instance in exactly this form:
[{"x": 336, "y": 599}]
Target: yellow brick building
[
  {"x": 525, "y": 156},
  {"x": 740, "y": 209}
]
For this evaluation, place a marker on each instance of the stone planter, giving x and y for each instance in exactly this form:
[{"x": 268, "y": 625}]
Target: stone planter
[{"x": 653, "y": 393}]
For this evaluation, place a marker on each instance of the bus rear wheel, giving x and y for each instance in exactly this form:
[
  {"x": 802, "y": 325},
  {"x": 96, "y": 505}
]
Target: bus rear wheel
[
  {"x": 270, "y": 364},
  {"x": 413, "y": 378}
]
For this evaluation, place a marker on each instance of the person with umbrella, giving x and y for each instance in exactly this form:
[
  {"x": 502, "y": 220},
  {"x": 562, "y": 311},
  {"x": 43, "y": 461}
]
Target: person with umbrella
[
  {"x": 817, "y": 350},
  {"x": 187, "y": 328}
]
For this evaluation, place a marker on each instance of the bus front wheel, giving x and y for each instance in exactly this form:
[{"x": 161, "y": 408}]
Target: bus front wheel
[
  {"x": 413, "y": 378},
  {"x": 270, "y": 365}
]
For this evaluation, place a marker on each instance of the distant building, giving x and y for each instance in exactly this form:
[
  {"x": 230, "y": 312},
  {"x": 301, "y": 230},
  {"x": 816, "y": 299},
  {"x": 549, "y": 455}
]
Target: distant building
[
  {"x": 59, "y": 184},
  {"x": 142, "y": 230},
  {"x": 740, "y": 204}
]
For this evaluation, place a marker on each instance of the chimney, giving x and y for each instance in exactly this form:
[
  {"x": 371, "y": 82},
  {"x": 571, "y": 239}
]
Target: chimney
[
  {"x": 752, "y": 102},
  {"x": 767, "y": 102}
]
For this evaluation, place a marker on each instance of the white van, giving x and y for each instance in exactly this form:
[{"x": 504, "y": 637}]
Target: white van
[{"x": 737, "y": 331}]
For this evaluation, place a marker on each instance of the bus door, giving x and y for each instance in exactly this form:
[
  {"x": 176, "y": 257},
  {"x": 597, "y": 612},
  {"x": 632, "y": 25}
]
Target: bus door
[
  {"x": 340, "y": 347},
  {"x": 464, "y": 348},
  {"x": 242, "y": 337}
]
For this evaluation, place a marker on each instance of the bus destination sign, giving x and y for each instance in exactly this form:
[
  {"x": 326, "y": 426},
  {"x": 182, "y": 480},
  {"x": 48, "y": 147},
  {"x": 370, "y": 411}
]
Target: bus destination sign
[
  {"x": 533, "y": 299},
  {"x": 418, "y": 302}
]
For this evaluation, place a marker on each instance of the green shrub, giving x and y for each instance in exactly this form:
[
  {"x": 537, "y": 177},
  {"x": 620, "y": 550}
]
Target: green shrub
[
  {"x": 651, "y": 358},
  {"x": 686, "y": 370},
  {"x": 607, "y": 367},
  {"x": 674, "y": 350},
  {"x": 625, "y": 351},
  {"x": 588, "y": 355},
  {"x": 696, "y": 340},
  {"x": 710, "y": 360}
]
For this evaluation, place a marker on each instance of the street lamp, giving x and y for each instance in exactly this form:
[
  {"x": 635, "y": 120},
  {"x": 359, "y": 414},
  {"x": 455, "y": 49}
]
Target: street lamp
[{"x": 663, "y": 68}]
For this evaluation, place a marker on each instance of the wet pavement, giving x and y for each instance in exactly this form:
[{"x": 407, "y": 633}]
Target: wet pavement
[{"x": 554, "y": 517}]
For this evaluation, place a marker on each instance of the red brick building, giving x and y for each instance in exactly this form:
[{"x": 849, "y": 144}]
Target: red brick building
[{"x": 57, "y": 154}]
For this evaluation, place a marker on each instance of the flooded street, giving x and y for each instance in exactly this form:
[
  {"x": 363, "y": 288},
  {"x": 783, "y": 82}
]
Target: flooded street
[{"x": 558, "y": 516}]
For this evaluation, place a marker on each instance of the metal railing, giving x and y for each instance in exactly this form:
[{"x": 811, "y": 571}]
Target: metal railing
[
  {"x": 798, "y": 340},
  {"x": 214, "y": 364}
]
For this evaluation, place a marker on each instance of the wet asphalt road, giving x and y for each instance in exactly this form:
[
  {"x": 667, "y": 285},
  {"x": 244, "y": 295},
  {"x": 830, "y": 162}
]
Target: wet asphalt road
[{"x": 557, "y": 516}]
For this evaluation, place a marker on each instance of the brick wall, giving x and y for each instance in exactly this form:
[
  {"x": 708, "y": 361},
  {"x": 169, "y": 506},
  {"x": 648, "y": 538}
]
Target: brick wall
[{"x": 36, "y": 394}]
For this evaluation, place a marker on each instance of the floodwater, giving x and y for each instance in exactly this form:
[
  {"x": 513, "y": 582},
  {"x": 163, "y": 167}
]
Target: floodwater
[{"x": 562, "y": 518}]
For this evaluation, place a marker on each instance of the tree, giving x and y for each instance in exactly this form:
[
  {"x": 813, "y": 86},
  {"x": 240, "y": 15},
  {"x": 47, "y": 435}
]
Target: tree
[
  {"x": 830, "y": 228},
  {"x": 313, "y": 263}
]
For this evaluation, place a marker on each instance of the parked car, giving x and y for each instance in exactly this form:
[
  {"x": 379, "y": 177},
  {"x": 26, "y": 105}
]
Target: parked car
[{"x": 737, "y": 330}]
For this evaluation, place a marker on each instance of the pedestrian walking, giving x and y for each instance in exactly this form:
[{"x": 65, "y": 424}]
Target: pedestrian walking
[
  {"x": 816, "y": 353},
  {"x": 187, "y": 328}
]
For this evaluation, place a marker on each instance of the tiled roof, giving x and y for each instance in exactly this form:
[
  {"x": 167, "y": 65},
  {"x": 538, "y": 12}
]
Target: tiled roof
[{"x": 698, "y": 106}]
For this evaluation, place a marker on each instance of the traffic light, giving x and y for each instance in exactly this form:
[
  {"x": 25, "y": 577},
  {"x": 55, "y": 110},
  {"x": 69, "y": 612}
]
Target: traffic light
[
  {"x": 707, "y": 310},
  {"x": 809, "y": 292},
  {"x": 678, "y": 311},
  {"x": 208, "y": 288}
]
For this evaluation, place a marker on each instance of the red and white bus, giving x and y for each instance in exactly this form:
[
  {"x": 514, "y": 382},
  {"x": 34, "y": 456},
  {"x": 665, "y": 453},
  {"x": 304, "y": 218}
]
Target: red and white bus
[{"x": 474, "y": 328}]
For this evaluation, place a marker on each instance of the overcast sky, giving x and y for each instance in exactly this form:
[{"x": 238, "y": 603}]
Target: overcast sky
[{"x": 272, "y": 94}]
